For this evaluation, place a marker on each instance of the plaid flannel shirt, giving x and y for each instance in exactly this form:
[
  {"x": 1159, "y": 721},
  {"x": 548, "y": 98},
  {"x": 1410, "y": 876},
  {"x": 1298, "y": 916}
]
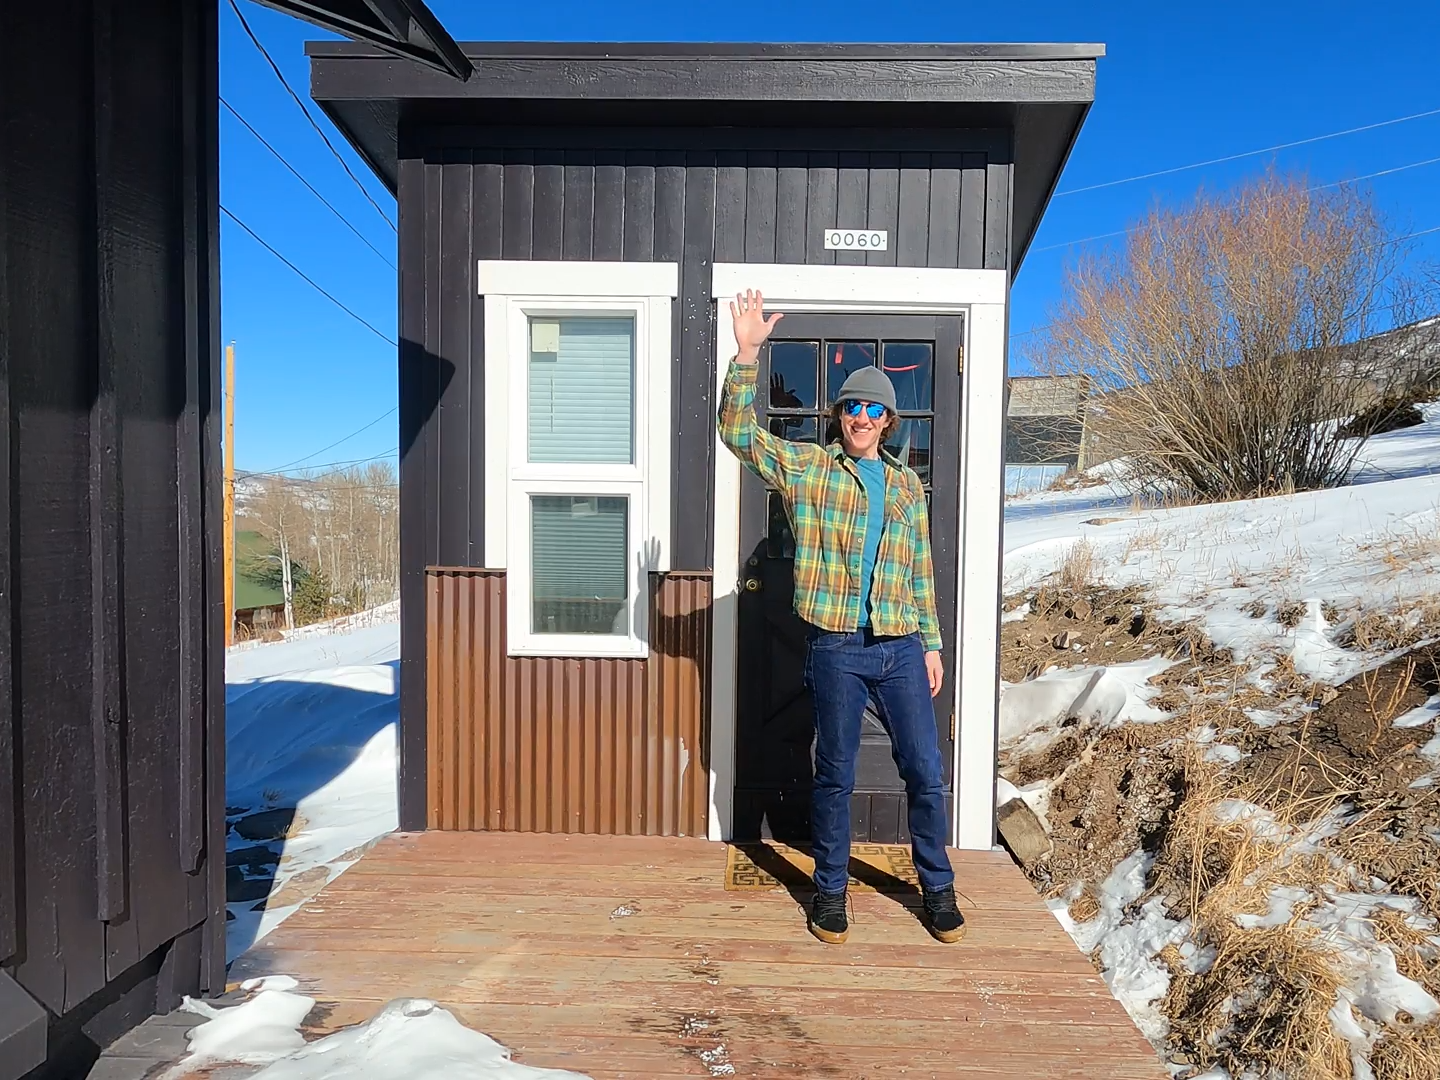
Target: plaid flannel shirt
[{"x": 826, "y": 501}]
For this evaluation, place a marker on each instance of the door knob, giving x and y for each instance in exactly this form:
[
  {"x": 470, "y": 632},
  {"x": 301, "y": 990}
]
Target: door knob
[{"x": 752, "y": 584}]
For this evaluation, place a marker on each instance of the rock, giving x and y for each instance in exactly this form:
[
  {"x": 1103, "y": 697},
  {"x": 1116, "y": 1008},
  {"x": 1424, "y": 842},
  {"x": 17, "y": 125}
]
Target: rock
[
  {"x": 1022, "y": 832},
  {"x": 267, "y": 824},
  {"x": 1062, "y": 639},
  {"x": 1081, "y": 610}
]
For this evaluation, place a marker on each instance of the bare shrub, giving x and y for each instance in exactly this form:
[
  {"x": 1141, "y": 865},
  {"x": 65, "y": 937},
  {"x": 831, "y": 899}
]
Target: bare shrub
[{"x": 1229, "y": 340}]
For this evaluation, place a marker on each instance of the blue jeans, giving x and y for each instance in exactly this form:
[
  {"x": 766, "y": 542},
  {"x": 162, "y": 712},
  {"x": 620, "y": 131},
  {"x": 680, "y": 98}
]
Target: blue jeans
[{"x": 844, "y": 672}]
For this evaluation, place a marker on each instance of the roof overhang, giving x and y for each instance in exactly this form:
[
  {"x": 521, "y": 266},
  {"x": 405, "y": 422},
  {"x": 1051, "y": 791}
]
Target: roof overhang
[
  {"x": 1034, "y": 96},
  {"x": 405, "y": 28}
]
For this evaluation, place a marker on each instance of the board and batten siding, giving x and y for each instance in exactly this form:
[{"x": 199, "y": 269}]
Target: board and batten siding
[
  {"x": 112, "y": 850},
  {"x": 942, "y": 196}
]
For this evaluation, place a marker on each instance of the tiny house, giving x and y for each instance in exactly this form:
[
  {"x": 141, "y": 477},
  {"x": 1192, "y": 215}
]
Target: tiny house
[{"x": 597, "y": 632}]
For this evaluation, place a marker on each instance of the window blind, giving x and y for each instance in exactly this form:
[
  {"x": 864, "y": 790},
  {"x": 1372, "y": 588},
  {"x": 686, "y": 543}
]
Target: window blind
[
  {"x": 579, "y": 572},
  {"x": 582, "y": 383}
]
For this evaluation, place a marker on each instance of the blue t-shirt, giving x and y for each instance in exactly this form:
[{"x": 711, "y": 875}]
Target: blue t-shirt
[{"x": 872, "y": 472}]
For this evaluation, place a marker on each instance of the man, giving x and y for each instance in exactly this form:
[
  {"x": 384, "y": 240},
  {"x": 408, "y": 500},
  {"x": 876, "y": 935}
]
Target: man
[{"x": 865, "y": 585}]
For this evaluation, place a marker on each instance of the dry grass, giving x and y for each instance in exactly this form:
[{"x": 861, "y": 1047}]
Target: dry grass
[
  {"x": 1143, "y": 541},
  {"x": 1390, "y": 842},
  {"x": 1285, "y": 681},
  {"x": 1263, "y": 1004},
  {"x": 1384, "y": 705},
  {"x": 1078, "y": 571},
  {"x": 1385, "y": 631},
  {"x": 1290, "y": 613},
  {"x": 1412, "y": 549},
  {"x": 1408, "y": 1054},
  {"x": 1415, "y": 950},
  {"x": 1264, "y": 1007},
  {"x": 1085, "y": 906}
]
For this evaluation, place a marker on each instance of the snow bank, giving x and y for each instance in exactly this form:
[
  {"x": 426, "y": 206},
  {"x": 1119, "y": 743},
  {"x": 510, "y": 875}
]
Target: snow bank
[
  {"x": 311, "y": 724},
  {"x": 1365, "y": 544},
  {"x": 1032, "y": 713},
  {"x": 409, "y": 1039},
  {"x": 1212, "y": 562}
]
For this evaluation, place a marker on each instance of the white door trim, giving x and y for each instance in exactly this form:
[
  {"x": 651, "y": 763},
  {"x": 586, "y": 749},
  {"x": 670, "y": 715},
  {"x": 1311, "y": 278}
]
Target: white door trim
[{"x": 983, "y": 296}]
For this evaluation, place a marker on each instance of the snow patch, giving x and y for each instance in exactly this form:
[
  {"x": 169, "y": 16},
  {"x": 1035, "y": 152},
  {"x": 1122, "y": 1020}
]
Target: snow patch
[
  {"x": 1129, "y": 940},
  {"x": 1034, "y": 712},
  {"x": 409, "y": 1039}
]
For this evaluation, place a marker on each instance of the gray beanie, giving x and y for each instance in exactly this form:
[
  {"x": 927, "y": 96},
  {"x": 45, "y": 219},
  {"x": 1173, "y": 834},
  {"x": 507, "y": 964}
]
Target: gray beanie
[{"x": 868, "y": 384}]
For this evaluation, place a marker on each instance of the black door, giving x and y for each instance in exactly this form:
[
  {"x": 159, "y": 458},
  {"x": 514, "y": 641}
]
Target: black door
[{"x": 800, "y": 373}]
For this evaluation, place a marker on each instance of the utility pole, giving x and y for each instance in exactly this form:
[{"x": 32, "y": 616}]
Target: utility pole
[{"x": 229, "y": 488}]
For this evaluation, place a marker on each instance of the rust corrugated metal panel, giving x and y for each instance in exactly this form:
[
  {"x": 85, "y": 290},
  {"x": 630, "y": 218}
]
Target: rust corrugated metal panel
[{"x": 536, "y": 744}]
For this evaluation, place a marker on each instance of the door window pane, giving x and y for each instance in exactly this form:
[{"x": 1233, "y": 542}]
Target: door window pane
[
  {"x": 793, "y": 375},
  {"x": 579, "y": 564},
  {"x": 582, "y": 390},
  {"x": 794, "y": 428},
  {"x": 911, "y": 367},
  {"x": 841, "y": 358},
  {"x": 911, "y": 444}
]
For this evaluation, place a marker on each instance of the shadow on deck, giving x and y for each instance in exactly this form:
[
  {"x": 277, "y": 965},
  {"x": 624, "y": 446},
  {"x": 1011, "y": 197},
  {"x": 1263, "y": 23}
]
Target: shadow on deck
[{"x": 621, "y": 957}]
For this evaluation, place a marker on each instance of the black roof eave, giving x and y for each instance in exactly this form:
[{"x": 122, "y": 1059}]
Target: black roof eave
[
  {"x": 1040, "y": 93},
  {"x": 662, "y": 50}
]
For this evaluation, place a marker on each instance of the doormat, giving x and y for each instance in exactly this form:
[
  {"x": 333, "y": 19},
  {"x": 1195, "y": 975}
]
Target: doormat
[{"x": 884, "y": 868}]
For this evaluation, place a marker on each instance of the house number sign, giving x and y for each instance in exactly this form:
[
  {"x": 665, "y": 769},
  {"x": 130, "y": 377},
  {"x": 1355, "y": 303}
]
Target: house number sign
[{"x": 856, "y": 239}]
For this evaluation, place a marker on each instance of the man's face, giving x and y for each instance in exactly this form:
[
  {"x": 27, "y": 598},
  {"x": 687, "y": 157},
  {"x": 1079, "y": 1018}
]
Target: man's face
[{"x": 861, "y": 427}]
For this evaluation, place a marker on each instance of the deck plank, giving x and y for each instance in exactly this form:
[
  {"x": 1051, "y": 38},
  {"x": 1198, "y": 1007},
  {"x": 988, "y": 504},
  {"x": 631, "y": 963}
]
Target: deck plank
[{"x": 514, "y": 934}]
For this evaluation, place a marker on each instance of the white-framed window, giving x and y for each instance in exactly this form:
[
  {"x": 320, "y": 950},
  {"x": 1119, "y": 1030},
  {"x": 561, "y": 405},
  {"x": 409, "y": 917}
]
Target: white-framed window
[{"x": 577, "y": 444}]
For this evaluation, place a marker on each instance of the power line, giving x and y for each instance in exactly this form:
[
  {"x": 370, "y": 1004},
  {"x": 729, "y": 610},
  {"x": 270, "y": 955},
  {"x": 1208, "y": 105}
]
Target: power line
[
  {"x": 281, "y": 158},
  {"x": 1246, "y": 154},
  {"x": 1316, "y": 187},
  {"x": 322, "y": 465},
  {"x": 296, "y": 97},
  {"x": 337, "y": 442},
  {"x": 226, "y": 211}
]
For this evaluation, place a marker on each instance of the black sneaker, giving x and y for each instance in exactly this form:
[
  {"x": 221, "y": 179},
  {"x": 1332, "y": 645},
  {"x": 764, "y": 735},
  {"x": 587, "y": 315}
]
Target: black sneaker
[
  {"x": 942, "y": 917},
  {"x": 829, "y": 920}
]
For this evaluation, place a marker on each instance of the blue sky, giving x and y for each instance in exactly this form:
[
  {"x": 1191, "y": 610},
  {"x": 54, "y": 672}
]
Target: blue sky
[{"x": 1179, "y": 84}]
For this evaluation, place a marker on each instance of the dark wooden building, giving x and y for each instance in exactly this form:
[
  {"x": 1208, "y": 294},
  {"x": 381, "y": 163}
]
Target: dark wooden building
[
  {"x": 596, "y": 625},
  {"x": 112, "y": 737}
]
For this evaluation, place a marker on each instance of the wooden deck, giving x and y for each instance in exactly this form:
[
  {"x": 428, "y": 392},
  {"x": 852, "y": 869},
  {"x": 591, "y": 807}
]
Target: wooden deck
[{"x": 527, "y": 938}]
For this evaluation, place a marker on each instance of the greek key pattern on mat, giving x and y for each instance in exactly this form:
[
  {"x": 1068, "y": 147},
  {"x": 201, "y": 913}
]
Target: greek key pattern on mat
[{"x": 743, "y": 873}]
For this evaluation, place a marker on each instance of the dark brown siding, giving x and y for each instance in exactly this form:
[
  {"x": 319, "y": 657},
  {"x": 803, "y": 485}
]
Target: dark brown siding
[
  {"x": 111, "y": 678},
  {"x": 565, "y": 745},
  {"x": 639, "y": 196}
]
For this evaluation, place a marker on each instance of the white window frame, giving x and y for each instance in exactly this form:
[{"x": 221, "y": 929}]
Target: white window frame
[
  {"x": 514, "y": 293},
  {"x": 983, "y": 297}
]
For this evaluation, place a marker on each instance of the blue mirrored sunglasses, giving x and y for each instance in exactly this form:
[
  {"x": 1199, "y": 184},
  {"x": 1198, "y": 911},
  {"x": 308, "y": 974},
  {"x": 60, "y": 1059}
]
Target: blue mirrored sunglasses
[{"x": 872, "y": 410}]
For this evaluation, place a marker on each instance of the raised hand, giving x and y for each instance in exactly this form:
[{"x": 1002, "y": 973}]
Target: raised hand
[
  {"x": 751, "y": 327},
  {"x": 780, "y": 397}
]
